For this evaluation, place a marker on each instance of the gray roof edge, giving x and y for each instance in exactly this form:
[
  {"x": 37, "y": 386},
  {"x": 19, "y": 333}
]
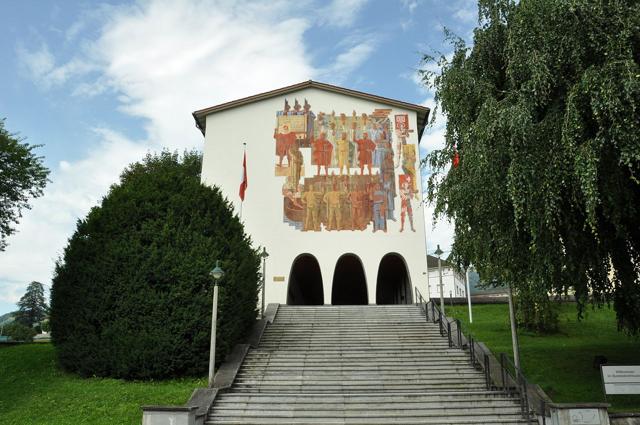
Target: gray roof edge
[{"x": 200, "y": 115}]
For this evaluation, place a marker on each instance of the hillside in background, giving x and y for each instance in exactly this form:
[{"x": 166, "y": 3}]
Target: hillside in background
[{"x": 7, "y": 318}]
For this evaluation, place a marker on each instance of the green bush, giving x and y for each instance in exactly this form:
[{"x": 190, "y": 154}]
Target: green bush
[
  {"x": 19, "y": 332},
  {"x": 132, "y": 296}
]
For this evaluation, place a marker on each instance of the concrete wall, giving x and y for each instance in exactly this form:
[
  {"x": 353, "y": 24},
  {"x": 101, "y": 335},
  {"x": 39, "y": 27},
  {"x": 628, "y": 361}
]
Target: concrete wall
[{"x": 262, "y": 211}]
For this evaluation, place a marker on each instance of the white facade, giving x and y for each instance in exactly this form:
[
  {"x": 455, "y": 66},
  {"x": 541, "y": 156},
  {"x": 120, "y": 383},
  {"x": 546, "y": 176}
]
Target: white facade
[
  {"x": 253, "y": 123},
  {"x": 453, "y": 282}
]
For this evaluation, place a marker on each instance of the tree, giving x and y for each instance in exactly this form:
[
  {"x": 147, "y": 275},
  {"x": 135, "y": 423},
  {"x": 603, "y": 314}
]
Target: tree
[
  {"x": 22, "y": 176},
  {"x": 32, "y": 307},
  {"x": 19, "y": 332},
  {"x": 131, "y": 297},
  {"x": 543, "y": 117}
]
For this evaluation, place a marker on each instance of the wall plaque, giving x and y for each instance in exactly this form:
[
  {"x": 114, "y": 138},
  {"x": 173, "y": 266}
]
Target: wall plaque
[
  {"x": 621, "y": 379},
  {"x": 584, "y": 417}
]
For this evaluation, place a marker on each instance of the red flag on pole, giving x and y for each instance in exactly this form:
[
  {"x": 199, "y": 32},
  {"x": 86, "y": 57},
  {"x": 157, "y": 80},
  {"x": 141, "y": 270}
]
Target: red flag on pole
[{"x": 244, "y": 183}]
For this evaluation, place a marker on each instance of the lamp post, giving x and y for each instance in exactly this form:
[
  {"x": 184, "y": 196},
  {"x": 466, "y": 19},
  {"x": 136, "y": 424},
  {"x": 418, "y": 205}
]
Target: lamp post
[
  {"x": 439, "y": 252},
  {"x": 264, "y": 254},
  {"x": 466, "y": 281},
  {"x": 217, "y": 274},
  {"x": 514, "y": 330}
]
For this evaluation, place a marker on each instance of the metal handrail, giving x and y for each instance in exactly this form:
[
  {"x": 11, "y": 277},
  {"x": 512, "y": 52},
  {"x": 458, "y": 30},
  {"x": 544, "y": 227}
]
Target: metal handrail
[{"x": 433, "y": 313}]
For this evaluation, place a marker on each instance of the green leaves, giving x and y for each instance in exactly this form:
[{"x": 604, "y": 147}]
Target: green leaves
[
  {"x": 544, "y": 110},
  {"x": 132, "y": 295},
  {"x": 22, "y": 177}
]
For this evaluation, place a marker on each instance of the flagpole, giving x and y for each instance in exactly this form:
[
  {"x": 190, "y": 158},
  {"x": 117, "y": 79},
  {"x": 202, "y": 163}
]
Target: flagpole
[{"x": 244, "y": 158}]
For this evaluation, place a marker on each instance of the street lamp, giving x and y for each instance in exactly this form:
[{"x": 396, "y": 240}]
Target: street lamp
[
  {"x": 217, "y": 274},
  {"x": 439, "y": 252},
  {"x": 264, "y": 254}
]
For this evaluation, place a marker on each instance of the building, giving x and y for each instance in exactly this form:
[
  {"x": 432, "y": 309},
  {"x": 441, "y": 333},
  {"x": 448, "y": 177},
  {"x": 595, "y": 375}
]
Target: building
[
  {"x": 334, "y": 190},
  {"x": 453, "y": 281}
]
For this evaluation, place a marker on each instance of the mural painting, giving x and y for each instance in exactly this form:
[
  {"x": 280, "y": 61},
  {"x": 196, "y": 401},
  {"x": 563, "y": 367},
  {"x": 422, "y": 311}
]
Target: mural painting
[{"x": 352, "y": 166}]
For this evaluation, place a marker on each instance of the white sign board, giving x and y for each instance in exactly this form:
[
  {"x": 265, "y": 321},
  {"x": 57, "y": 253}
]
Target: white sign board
[
  {"x": 584, "y": 417},
  {"x": 621, "y": 379}
]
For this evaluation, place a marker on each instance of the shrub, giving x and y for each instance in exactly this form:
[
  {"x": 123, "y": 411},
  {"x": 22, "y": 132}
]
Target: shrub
[
  {"x": 132, "y": 297},
  {"x": 19, "y": 332}
]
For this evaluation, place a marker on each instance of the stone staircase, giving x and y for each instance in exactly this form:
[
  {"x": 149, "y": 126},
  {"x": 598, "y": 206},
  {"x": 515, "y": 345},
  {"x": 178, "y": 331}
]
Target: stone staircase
[{"x": 359, "y": 365}]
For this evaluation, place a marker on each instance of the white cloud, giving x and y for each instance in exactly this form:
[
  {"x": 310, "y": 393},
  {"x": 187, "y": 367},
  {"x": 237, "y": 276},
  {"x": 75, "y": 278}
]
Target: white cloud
[
  {"x": 348, "y": 61},
  {"x": 171, "y": 58},
  {"x": 44, "y": 230},
  {"x": 163, "y": 59},
  {"x": 466, "y": 15},
  {"x": 340, "y": 13},
  {"x": 411, "y": 4},
  {"x": 466, "y": 11},
  {"x": 40, "y": 65},
  {"x": 441, "y": 232}
]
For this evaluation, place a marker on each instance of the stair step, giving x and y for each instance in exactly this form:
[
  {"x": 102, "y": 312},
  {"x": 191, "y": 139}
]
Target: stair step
[{"x": 369, "y": 365}]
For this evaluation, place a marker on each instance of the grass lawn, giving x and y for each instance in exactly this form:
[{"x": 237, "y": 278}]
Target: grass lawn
[
  {"x": 34, "y": 391},
  {"x": 562, "y": 363}
]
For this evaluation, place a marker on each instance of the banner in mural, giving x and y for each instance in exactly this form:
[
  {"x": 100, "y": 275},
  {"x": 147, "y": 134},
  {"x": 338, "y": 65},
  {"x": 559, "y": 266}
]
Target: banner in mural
[{"x": 350, "y": 183}]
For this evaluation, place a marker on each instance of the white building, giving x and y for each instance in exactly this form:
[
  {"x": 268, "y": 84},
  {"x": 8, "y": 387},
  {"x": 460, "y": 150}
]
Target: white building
[
  {"x": 334, "y": 190},
  {"x": 453, "y": 282}
]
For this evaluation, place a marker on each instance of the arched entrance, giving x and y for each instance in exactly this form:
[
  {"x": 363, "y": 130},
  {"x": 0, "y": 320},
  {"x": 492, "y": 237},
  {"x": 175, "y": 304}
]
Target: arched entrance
[
  {"x": 394, "y": 285},
  {"x": 349, "y": 282},
  {"x": 305, "y": 282}
]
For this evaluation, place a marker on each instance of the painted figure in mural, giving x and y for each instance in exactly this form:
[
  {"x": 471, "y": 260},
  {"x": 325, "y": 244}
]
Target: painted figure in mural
[
  {"x": 379, "y": 201},
  {"x": 333, "y": 200},
  {"x": 376, "y": 132},
  {"x": 409, "y": 164},
  {"x": 358, "y": 196},
  {"x": 402, "y": 130},
  {"x": 322, "y": 150},
  {"x": 295, "y": 164},
  {"x": 289, "y": 193},
  {"x": 312, "y": 199},
  {"x": 284, "y": 140},
  {"x": 365, "y": 152},
  {"x": 389, "y": 184},
  {"x": 406, "y": 194},
  {"x": 321, "y": 123},
  {"x": 364, "y": 122},
  {"x": 343, "y": 153},
  {"x": 383, "y": 147}
]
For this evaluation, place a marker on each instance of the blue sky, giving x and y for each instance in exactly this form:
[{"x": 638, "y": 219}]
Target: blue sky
[{"x": 101, "y": 84}]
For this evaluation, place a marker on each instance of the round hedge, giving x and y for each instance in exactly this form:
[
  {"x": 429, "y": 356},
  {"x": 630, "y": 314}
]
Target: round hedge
[{"x": 132, "y": 297}]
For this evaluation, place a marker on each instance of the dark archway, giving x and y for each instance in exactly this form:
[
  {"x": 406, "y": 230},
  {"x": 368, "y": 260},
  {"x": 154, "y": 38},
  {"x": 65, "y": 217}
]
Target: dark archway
[
  {"x": 349, "y": 282},
  {"x": 305, "y": 282},
  {"x": 394, "y": 285}
]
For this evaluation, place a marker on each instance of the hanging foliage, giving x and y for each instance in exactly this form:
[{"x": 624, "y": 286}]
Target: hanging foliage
[{"x": 547, "y": 106}]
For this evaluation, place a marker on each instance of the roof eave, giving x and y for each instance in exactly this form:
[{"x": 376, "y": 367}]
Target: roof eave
[{"x": 200, "y": 115}]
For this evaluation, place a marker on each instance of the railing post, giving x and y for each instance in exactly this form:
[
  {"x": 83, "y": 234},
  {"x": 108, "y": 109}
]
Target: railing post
[
  {"x": 502, "y": 373},
  {"x": 472, "y": 351},
  {"x": 426, "y": 310},
  {"x": 433, "y": 311},
  {"x": 525, "y": 397},
  {"x": 459, "y": 333},
  {"x": 449, "y": 334},
  {"x": 487, "y": 374},
  {"x": 440, "y": 323},
  {"x": 543, "y": 410}
]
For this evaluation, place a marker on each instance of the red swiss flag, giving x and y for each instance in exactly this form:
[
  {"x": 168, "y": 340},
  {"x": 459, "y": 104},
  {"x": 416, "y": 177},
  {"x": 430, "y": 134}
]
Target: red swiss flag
[{"x": 244, "y": 183}]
